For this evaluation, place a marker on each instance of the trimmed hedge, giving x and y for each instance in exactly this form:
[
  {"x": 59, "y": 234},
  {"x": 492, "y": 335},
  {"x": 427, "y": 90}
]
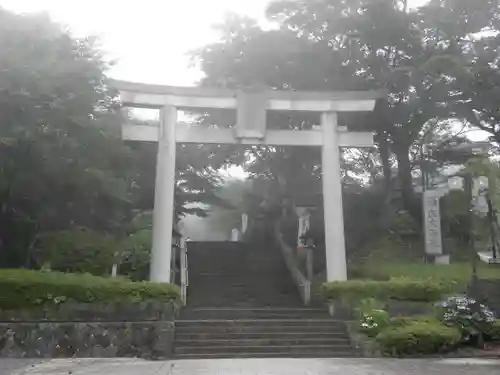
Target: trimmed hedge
[
  {"x": 398, "y": 289},
  {"x": 418, "y": 338},
  {"x": 403, "y": 321},
  {"x": 25, "y": 289}
]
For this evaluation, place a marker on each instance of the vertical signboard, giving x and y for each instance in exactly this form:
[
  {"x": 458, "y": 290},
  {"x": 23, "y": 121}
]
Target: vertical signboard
[{"x": 432, "y": 223}]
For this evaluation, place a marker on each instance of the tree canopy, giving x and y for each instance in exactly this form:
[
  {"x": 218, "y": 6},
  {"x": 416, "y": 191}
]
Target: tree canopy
[{"x": 63, "y": 165}]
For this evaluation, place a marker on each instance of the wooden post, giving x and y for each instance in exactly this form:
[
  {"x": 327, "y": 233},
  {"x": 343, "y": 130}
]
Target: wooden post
[
  {"x": 336, "y": 267},
  {"x": 164, "y": 198}
]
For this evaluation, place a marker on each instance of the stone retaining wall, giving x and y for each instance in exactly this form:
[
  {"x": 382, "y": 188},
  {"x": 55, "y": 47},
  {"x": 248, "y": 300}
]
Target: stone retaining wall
[{"x": 101, "y": 330}]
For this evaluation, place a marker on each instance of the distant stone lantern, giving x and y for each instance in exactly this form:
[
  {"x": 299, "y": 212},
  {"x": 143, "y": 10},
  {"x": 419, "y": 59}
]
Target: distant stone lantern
[
  {"x": 305, "y": 243},
  {"x": 304, "y": 207}
]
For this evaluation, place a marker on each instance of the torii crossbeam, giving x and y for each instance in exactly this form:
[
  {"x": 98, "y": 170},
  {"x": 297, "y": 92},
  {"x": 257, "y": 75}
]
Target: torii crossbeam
[{"x": 250, "y": 129}]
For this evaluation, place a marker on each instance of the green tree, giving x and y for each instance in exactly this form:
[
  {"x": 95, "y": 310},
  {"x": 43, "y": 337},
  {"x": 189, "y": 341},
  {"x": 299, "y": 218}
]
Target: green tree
[
  {"x": 60, "y": 163},
  {"x": 467, "y": 44},
  {"x": 63, "y": 165}
]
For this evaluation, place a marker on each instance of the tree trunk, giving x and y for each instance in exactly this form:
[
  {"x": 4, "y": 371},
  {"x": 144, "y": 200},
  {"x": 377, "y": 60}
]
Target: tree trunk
[
  {"x": 405, "y": 180},
  {"x": 386, "y": 163}
]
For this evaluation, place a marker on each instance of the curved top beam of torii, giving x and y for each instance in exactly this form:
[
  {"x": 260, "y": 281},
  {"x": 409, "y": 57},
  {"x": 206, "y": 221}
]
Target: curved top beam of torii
[{"x": 134, "y": 94}]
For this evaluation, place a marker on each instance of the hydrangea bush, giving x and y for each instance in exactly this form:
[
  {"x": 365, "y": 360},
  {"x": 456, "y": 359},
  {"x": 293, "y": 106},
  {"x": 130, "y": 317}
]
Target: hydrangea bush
[{"x": 465, "y": 313}]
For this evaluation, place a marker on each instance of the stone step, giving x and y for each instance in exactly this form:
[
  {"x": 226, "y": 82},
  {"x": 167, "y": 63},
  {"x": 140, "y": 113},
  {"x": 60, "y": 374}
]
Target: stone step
[
  {"x": 253, "y": 313},
  {"x": 263, "y": 341},
  {"x": 295, "y": 349},
  {"x": 317, "y": 354},
  {"x": 259, "y": 330},
  {"x": 244, "y": 299},
  {"x": 186, "y": 335},
  {"x": 200, "y": 324}
]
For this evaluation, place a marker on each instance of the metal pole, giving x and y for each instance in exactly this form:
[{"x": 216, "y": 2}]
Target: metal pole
[
  {"x": 470, "y": 224},
  {"x": 492, "y": 220}
]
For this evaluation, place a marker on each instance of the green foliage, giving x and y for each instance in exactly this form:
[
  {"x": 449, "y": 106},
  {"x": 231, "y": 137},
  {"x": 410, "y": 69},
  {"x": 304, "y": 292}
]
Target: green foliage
[
  {"x": 493, "y": 333},
  {"x": 30, "y": 289},
  {"x": 360, "y": 44},
  {"x": 136, "y": 256},
  {"x": 78, "y": 250},
  {"x": 418, "y": 338},
  {"x": 373, "y": 319},
  {"x": 459, "y": 273},
  {"x": 402, "y": 289},
  {"x": 404, "y": 224},
  {"x": 63, "y": 164},
  {"x": 403, "y": 321},
  {"x": 472, "y": 318}
]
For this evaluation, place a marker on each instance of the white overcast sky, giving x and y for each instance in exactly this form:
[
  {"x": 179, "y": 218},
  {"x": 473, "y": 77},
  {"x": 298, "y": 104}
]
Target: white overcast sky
[{"x": 149, "y": 39}]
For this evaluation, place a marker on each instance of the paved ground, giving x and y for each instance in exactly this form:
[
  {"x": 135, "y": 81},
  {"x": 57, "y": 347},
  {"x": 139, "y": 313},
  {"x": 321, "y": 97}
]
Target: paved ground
[{"x": 251, "y": 367}]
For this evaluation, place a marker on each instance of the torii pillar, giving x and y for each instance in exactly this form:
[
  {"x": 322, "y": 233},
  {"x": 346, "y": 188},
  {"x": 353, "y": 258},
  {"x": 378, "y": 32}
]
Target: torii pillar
[{"x": 250, "y": 129}]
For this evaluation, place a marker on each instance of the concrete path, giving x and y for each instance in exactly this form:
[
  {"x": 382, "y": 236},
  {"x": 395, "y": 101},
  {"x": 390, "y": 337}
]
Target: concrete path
[{"x": 251, "y": 367}]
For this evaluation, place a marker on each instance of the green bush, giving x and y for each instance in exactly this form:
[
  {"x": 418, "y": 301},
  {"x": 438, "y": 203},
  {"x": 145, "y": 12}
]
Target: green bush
[
  {"x": 25, "y": 289},
  {"x": 398, "y": 289},
  {"x": 372, "y": 317},
  {"x": 418, "y": 338},
  {"x": 78, "y": 250},
  {"x": 493, "y": 333},
  {"x": 402, "y": 321},
  {"x": 136, "y": 255},
  {"x": 472, "y": 318}
]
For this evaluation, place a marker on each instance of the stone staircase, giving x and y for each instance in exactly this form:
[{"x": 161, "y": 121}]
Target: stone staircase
[{"x": 242, "y": 303}]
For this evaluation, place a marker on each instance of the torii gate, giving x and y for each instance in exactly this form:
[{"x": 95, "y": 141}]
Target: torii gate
[{"x": 250, "y": 129}]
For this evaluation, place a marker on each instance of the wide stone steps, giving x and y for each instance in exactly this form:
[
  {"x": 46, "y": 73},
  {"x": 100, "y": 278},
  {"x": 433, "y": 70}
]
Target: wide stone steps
[
  {"x": 242, "y": 303},
  {"x": 307, "y": 336}
]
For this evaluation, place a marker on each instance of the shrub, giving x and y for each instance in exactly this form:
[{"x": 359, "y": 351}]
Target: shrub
[
  {"x": 418, "y": 338},
  {"x": 372, "y": 317},
  {"x": 493, "y": 332},
  {"x": 374, "y": 322},
  {"x": 398, "y": 289},
  {"x": 466, "y": 314},
  {"x": 78, "y": 250},
  {"x": 401, "y": 321},
  {"x": 136, "y": 255},
  {"x": 26, "y": 289}
]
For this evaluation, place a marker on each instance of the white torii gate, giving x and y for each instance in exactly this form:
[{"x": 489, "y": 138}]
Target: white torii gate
[{"x": 250, "y": 129}]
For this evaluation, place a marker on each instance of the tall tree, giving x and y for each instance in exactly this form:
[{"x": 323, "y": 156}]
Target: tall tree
[
  {"x": 62, "y": 162},
  {"x": 466, "y": 40}
]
